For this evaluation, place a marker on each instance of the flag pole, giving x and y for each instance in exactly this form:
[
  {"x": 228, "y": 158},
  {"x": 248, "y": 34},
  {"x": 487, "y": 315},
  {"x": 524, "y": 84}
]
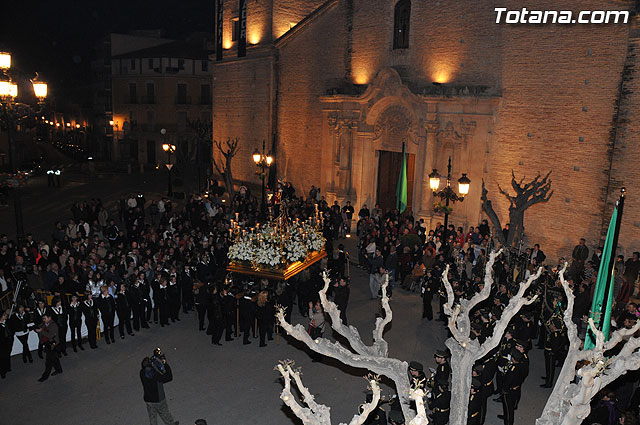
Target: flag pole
[{"x": 606, "y": 320}]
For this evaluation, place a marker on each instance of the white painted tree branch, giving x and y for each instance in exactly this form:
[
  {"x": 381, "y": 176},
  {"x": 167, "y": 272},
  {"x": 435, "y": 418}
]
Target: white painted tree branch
[
  {"x": 319, "y": 414},
  {"x": 452, "y": 310},
  {"x": 350, "y": 333},
  {"x": 515, "y": 304},
  {"x": 570, "y": 403},
  {"x": 368, "y": 407},
  {"x": 417, "y": 395},
  {"x": 308, "y": 415},
  {"x": 465, "y": 351},
  {"x": 558, "y": 402},
  {"x": 379, "y": 344},
  {"x": 373, "y": 358}
]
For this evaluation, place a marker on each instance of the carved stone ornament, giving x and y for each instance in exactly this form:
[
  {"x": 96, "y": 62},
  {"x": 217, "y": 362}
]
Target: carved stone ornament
[
  {"x": 467, "y": 127},
  {"x": 448, "y": 134},
  {"x": 395, "y": 123}
]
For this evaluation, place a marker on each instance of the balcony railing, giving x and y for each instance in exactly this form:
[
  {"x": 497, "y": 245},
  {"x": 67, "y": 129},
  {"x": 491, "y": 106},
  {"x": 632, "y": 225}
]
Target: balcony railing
[{"x": 148, "y": 100}]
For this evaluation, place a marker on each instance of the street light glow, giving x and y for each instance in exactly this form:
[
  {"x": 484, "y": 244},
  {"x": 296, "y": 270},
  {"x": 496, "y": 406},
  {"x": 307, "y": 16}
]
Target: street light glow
[
  {"x": 40, "y": 89},
  {"x": 5, "y": 60},
  {"x": 434, "y": 180},
  {"x": 463, "y": 185},
  {"x": 5, "y": 88}
]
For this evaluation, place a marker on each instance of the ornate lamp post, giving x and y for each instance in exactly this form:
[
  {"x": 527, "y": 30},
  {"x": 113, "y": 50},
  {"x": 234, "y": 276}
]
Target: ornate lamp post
[
  {"x": 447, "y": 194},
  {"x": 263, "y": 162},
  {"x": 13, "y": 114},
  {"x": 169, "y": 149}
]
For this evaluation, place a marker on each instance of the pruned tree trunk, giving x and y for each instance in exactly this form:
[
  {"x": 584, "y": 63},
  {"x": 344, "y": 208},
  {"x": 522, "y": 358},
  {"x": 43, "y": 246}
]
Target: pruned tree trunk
[
  {"x": 225, "y": 170},
  {"x": 465, "y": 351},
  {"x": 316, "y": 413},
  {"x": 371, "y": 357},
  {"x": 570, "y": 403},
  {"x": 527, "y": 194}
]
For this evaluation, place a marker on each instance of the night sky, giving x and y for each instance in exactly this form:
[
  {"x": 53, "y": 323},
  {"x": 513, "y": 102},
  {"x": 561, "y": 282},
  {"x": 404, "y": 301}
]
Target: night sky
[{"x": 56, "y": 38}]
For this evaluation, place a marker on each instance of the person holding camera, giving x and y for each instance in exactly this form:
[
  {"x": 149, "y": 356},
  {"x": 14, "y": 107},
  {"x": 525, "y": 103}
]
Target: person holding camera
[{"x": 156, "y": 372}]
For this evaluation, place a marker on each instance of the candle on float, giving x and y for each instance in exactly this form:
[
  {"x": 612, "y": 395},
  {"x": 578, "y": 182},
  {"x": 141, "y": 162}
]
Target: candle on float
[{"x": 237, "y": 214}]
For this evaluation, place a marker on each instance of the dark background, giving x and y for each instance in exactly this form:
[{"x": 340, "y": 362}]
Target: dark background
[{"x": 57, "y": 38}]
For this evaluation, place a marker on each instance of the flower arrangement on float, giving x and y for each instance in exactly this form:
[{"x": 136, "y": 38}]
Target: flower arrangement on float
[{"x": 275, "y": 245}]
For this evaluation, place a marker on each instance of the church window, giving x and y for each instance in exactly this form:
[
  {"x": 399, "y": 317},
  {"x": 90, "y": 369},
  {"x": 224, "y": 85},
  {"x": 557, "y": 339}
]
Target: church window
[{"x": 402, "y": 16}]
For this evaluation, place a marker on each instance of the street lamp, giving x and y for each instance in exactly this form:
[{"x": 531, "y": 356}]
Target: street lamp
[
  {"x": 448, "y": 195},
  {"x": 262, "y": 161},
  {"x": 12, "y": 114},
  {"x": 169, "y": 149}
]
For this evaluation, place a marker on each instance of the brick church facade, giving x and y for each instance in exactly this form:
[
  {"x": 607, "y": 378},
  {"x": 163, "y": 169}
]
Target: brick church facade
[{"x": 336, "y": 86}]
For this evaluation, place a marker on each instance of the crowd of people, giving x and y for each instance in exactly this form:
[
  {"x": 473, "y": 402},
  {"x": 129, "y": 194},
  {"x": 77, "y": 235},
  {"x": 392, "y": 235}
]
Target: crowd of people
[
  {"x": 146, "y": 266},
  {"x": 153, "y": 262},
  {"x": 415, "y": 258}
]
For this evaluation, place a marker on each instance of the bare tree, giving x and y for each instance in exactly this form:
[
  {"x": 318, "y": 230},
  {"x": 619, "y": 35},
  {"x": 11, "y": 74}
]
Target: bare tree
[
  {"x": 316, "y": 413},
  {"x": 570, "y": 402},
  {"x": 527, "y": 194},
  {"x": 359, "y": 355},
  {"x": 466, "y": 351},
  {"x": 224, "y": 169}
]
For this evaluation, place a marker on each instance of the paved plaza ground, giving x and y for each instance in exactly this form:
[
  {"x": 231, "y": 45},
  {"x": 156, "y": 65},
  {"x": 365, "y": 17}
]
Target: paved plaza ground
[{"x": 232, "y": 384}]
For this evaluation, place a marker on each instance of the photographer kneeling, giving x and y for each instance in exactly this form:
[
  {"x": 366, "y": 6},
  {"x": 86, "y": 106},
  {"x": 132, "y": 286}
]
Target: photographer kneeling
[{"x": 155, "y": 372}]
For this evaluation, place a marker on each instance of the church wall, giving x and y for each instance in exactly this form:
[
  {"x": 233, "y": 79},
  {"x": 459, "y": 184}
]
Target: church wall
[
  {"x": 559, "y": 85},
  {"x": 241, "y": 108},
  {"x": 287, "y": 13},
  {"x": 447, "y": 44},
  {"x": 540, "y": 72},
  {"x": 626, "y": 170},
  {"x": 308, "y": 63}
]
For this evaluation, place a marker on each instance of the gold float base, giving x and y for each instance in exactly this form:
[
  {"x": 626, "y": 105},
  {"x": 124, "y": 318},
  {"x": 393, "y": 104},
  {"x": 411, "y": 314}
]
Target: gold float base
[{"x": 280, "y": 274}]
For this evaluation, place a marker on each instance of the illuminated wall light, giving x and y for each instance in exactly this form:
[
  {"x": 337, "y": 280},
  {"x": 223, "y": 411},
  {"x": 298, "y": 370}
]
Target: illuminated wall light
[
  {"x": 361, "y": 76},
  {"x": 441, "y": 76}
]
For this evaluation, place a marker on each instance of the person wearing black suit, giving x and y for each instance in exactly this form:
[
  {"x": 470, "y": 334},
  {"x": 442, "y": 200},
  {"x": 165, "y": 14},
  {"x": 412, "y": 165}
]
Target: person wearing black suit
[
  {"x": 60, "y": 316},
  {"x": 185, "y": 282},
  {"x": 90, "y": 312},
  {"x": 124, "y": 311},
  {"x": 229, "y": 303},
  {"x": 107, "y": 306},
  {"x": 174, "y": 299},
  {"x": 75, "y": 322},
  {"x": 20, "y": 324},
  {"x": 538, "y": 255},
  {"x": 40, "y": 311},
  {"x": 137, "y": 300},
  {"x": 202, "y": 300},
  {"x": 247, "y": 316},
  {"x": 6, "y": 343},
  {"x": 216, "y": 317},
  {"x": 161, "y": 300}
]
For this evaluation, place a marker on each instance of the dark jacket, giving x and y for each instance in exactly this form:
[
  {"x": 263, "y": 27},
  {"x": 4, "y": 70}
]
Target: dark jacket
[
  {"x": 75, "y": 314},
  {"x": 153, "y": 383},
  {"x": 90, "y": 312}
]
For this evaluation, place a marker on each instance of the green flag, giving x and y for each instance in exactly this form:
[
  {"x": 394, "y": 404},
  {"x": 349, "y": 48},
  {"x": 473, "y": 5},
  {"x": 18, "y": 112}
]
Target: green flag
[
  {"x": 401, "y": 191},
  {"x": 603, "y": 294}
]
